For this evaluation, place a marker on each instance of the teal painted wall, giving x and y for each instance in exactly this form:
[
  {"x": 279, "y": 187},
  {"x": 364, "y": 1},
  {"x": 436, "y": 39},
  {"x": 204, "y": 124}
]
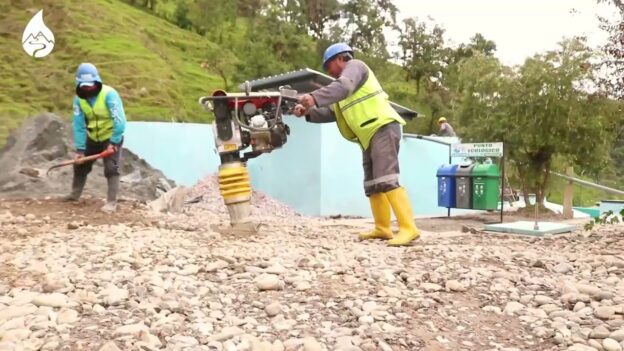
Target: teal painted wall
[
  {"x": 184, "y": 152},
  {"x": 317, "y": 172},
  {"x": 292, "y": 174}
]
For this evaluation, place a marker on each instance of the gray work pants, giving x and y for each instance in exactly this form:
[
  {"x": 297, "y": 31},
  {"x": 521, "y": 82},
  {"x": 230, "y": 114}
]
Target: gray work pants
[
  {"x": 111, "y": 163},
  {"x": 381, "y": 160}
]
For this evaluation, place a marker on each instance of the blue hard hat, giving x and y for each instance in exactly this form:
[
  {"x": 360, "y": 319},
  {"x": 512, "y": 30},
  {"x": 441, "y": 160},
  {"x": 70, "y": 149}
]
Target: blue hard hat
[
  {"x": 334, "y": 50},
  {"x": 87, "y": 73}
]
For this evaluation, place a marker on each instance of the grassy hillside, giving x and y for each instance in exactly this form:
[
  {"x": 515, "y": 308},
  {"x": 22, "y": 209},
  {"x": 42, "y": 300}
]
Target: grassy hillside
[{"x": 153, "y": 64}]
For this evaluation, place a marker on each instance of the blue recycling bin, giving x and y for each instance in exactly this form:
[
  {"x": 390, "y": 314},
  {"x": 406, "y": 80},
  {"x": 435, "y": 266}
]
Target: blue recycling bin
[{"x": 446, "y": 186}]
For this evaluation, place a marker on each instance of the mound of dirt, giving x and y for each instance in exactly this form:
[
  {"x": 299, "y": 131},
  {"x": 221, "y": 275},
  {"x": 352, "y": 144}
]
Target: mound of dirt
[
  {"x": 45, "y": 140},
  {"x": 206, "y": 191}
]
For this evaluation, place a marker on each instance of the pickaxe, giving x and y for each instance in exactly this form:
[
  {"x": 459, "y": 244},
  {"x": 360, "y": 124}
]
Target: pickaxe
[{"x": 102, "y": 154}]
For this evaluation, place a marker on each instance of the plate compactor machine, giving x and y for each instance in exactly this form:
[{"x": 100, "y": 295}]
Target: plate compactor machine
[{"x": 243, "y": 120}]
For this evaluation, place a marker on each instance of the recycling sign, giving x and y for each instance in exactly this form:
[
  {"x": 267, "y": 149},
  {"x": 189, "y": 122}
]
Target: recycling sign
[{"x": 477, "y": 150}]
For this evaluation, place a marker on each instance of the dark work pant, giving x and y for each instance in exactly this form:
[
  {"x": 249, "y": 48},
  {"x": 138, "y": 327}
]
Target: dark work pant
[
  {"x": 112, "y": 163},
  {"x": 381, "y": 160}
]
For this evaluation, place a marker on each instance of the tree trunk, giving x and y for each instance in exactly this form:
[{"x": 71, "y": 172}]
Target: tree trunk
[
  {"x": 525, "y": 189},
  {"x": 544, "y": 183},
  {"x": 434, "y": 114}
]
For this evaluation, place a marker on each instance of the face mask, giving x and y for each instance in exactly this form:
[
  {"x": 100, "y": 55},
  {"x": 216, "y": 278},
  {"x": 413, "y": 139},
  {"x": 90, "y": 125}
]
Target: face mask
[{"x": 88, "y": 91}]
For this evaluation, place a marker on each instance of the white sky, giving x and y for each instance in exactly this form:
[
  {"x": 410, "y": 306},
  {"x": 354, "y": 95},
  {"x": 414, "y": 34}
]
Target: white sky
[{"x": 520, "y": 28}]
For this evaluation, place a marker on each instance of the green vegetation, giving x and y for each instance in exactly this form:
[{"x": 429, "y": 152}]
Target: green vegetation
[
  {"x": 161, "y": 55},
  {"x": 607, "y": 218},
  {"x": 152, "y": 63}
]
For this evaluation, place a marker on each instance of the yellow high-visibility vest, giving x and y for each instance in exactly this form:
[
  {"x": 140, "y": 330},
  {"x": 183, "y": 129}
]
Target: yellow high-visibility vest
[
  {"x": 99, "y": 121},
  {"x": 360, "y": 115}
]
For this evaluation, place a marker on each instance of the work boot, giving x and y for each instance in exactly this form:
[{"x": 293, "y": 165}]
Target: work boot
[
  {"x": 111, "y": 196},
  {"x": 381, "y": 213},
  {"x": 403, "y": 211},
  {"x": 78, "y": 184}
]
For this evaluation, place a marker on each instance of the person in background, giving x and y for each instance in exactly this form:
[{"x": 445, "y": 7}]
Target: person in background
[
  {"x": 98, "y": 124},
  {"x": 363, "y": 115},
  {"x": 446, "y": 129}
]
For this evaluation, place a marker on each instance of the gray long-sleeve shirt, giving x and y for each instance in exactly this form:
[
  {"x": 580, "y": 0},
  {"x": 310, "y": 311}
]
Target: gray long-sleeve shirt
[
  {"x": 446, "y": 130},
  {"x": 352, "y": 78}
]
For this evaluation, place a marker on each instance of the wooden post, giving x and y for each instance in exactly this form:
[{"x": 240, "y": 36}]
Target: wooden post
[{"x": 568, "y": 195}]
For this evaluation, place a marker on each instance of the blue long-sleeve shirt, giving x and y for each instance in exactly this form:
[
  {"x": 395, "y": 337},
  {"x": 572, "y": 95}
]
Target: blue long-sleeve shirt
[{"x": 116, "y": 110}]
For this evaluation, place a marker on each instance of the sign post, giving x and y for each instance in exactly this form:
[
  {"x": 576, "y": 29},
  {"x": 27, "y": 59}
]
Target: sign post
[{"x": 494, "y": 149}]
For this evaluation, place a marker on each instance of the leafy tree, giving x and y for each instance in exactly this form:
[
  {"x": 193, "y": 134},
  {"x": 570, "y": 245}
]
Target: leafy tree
[
  {"x": 423, "y": 51},
  {"x": 613, "y": 80},
  {"x": 478, "y": 43},
  {"x": 180, "y": 15},
  {"x": 438, "y": 98},
  {"x": 146, "y": 4},
  {"x": 312, "y": 17},
  {"x": 250, "y": 8},
  {"x": 321, "y": 13},
  {"x": 262, "y": 55},
  {"x": 223, "y": 62},
  {"x": 613, "y": 59},
  {"x": 210, "y": 17},
  {"x": 454, "y": 56},
  {"x": 540, "y": 111},
  {"x": 362, "y": 25}
]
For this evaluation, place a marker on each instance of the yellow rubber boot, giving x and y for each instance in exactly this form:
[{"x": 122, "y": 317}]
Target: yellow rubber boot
[
  {"x": 403, "y": 212},
  {"x": 381, "y": 212}
]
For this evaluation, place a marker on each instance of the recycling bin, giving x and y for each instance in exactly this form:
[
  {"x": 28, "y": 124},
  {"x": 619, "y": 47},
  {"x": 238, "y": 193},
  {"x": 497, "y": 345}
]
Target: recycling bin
[
  {"x": 446, "y": 186},
  {"x": 463, "y": 186},
  {"x": 485, "y": 187}
]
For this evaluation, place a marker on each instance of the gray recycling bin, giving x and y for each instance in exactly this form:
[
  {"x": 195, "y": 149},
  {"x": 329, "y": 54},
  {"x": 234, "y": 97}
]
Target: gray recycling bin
[{"x": 463, "y": 186}]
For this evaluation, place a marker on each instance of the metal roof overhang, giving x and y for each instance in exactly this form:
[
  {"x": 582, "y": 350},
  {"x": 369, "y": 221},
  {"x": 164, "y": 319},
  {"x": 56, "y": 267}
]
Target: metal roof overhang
[{"x": 307, "y": 80}]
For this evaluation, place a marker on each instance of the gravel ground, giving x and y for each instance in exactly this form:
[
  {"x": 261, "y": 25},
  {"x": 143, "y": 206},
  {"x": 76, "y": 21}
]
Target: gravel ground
[{"x": 141, "y": 281}]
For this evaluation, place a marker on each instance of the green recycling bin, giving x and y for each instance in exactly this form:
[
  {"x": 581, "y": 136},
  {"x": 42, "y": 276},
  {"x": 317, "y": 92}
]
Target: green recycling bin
[{"x": 485, "y": 187}]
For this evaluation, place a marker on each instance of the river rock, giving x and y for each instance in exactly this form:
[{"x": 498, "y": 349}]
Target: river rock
[
  {"x": 611, "y": 345},
  {"x": 17, "y": 311},
  {"x": 51, "y": 300},
  {"x": 430, "y": 287},
  {"x": 600, "y": 332},
  {"x": 542, "y": 300},
  {"x": 273, "y": 309},
  {"x": 563, "y": 268},
  {"x": 454, "y": 285},
  {"x": 132, "y": 329},
  {"x": 269, "y": 282},
  {"x": 513, "y": 307},
  {"x": 226, "y": 334},
  {"x": 310, "y": 344},
  {"x": 605, "y": 312},
  {"x": 617, "y": 335},
  {"x": 109, "y": 346}
]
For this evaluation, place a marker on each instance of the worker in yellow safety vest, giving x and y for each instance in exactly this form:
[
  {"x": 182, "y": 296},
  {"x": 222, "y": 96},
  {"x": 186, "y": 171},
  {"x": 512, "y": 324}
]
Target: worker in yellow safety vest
[
  {"x": 98, "y": 124},
  {"x": 363, "y": 114}
]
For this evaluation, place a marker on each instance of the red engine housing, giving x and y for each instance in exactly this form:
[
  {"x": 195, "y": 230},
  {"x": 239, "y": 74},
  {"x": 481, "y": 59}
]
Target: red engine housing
[{"x": 260, "y": 102}]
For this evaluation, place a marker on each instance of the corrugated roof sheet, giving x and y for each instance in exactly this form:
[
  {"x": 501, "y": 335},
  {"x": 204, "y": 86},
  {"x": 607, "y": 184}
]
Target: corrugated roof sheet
[{"x": 307, "y": 80}]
